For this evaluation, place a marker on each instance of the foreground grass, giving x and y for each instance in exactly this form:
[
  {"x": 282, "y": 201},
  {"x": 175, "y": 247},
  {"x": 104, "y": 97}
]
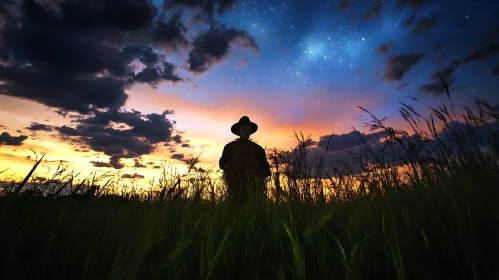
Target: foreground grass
[
  {"x": 448, "y": 231},
  {"x": 438, "y": 219}
]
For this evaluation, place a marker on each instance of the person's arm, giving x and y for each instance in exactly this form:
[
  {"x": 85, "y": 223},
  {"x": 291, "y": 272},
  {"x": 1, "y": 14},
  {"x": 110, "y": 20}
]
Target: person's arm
[
  {"x": 264, "y": 164},
  {"x": 226, "y": 156}
]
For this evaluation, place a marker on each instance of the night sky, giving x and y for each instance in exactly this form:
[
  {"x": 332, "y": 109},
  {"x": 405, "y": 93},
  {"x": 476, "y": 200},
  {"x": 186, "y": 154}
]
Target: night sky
[{"x": 124, "y": 85}]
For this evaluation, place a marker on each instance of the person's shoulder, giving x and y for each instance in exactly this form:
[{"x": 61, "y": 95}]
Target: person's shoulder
[
  {"x": 257, "y": 145},
  {"x": 230, "y": 143}
]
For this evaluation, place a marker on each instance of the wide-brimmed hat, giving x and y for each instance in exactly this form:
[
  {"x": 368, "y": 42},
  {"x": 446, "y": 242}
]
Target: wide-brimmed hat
[{"x": 242, "y": 121}]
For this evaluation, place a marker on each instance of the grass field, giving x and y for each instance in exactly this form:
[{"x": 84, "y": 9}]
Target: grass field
[{"x": 438, "y": 218}]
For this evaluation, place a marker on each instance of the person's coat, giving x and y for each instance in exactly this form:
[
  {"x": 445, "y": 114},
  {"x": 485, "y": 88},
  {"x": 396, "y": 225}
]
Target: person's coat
[{"x": 258, "y": 152}]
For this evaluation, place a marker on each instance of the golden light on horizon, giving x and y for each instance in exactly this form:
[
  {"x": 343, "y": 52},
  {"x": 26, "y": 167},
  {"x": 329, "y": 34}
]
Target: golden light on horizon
[{"x": 206, "y": 129}]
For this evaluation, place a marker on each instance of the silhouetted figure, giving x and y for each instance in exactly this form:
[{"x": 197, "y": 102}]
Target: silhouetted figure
[{"x": 244, "y": 163}]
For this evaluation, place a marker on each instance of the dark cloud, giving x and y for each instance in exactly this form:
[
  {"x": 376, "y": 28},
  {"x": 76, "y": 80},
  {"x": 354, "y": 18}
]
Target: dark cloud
[
  {"x": 402, "y": 86},
  {"x": 213, "y": 46},
  {"x": 424, "y": 25},
  {"x": 9, "y": 140},
  {"x": 397, "y": 65},
  {"x": 344, "y": 4},
  {"x": 39, "y": 127},
  {"x": 72, "y": 55},
  {"x": 207, "y": 7},
  {"x": 414, "y": 4},
  {"x": 482, "y": 133},
  {"x": 61, "y": 91},
  {"x": 178, "y": 156},
  {"x": 170, "y": 34},
  {"x": 408, "y": 21},
  {"x": 436, "y": 87},
  {"x": 129, "y": 15},
  {"x": 374, "y": 12},
  {"x": 2, "y": 126},
  {"x": 177, "y": 138},
  {"x": 144, "y": 54},
  {"x": 156, "y": 166},
  {"x": 384, "y": 49},
  {"x": 115, "y": 161},
  {"x": 348, "y": 140},
  {"x": 186, "y": 145},
  {"x": 138, "y": 164},
  {"x": 97, "y": 132},
  {"x": 133, "y": 176},
  {"x": 100, "y": 164},
  {"x": 496, "y": 70},
  {"x": 74, "y": 41},
  {"x": 155, "y": 75},
  {"x": 481, "y": 52}
]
